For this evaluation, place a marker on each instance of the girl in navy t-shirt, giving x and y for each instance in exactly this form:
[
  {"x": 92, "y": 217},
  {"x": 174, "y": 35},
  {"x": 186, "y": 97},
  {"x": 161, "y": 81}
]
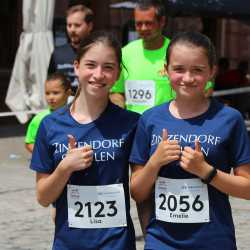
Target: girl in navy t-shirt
[
  {"x": 189, "y": 155},
  {"x": 81, "y": 157}
]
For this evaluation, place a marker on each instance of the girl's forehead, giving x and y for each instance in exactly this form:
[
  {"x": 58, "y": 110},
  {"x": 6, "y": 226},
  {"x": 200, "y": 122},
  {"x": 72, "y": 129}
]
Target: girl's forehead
[
  {"x": 187, "y": 51},
  {"x": 98, "y": 45},
  {"x": 187, "y": 46},
  {"x": 100, "y": 52}
]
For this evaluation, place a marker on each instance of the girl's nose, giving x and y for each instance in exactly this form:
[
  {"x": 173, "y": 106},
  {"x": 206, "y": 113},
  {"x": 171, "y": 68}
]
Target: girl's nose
[
  {"x": 188, "y": 77},
  {"x": 98, "y": 74}
]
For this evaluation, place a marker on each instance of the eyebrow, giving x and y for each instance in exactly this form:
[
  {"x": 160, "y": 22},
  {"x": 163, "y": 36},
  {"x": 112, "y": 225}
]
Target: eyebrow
[
  {"x": 194, "y": 66},
  {"x": 92, "y": 61}
]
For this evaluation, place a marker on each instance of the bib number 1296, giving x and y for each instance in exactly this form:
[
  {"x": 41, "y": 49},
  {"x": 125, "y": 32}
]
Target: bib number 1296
[{"x": 139, "y": 94}]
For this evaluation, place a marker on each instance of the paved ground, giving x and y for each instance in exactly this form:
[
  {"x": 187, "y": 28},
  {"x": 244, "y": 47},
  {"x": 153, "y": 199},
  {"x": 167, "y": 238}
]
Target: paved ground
[{"x": 24, "y": 225}]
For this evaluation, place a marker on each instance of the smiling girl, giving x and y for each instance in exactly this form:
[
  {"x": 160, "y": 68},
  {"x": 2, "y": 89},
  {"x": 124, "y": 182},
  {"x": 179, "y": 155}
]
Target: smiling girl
[
  {"x": 81, "y": 156},
  {"x": 188, "y": 170}
]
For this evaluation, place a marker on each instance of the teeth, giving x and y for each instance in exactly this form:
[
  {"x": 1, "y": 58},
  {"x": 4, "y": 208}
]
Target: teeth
[{"x": 98, "y": 84}]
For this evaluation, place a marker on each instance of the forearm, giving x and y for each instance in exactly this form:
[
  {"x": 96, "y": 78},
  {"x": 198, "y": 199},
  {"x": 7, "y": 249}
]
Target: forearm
[
  {"x": 144, "y": 212},
  {"x": 50, "y": 187},
  {"x": 143, "y": 180},
  {"x": 118, "y": 99},
  {"x": 29, "y": 147},
  {"x": 234, "y": 185}
]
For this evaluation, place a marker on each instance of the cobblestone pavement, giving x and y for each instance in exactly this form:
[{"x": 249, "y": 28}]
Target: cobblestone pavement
[{"x": 24, "y": 225}]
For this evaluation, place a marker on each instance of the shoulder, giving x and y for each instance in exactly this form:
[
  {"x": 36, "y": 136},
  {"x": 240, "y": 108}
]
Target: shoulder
[
  {"x": 166, "y": 42},
  {"x": 56, "y": 117},
  {"x": 38, "y": 117},
  {"x": 154, "y": 113},
  {"x": 63, "y": 50},
  {"x": 123, "y": 114},
  {"x": 226, "y": 113},
  {"x": 224, "y": 109},
  {"x": 166, "y": 39},
  {"x": 63, "y": 47},
  {"x": 132, "y": 46}
]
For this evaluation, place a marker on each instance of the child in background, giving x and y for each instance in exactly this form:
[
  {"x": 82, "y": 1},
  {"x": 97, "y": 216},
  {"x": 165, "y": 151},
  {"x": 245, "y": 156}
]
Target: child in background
[{"x": 57, "y": 91}]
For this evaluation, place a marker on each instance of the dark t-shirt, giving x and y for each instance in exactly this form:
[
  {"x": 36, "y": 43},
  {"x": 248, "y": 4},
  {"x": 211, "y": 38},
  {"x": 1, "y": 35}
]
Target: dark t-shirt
[
  {"x": 62, "y": 60},
  {"x": 225, "y": 145},
  {"x": 111, "y": 137}
]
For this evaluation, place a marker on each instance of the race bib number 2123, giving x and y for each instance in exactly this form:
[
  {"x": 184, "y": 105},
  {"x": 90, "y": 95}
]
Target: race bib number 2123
[{"x": 96, "y": 206}]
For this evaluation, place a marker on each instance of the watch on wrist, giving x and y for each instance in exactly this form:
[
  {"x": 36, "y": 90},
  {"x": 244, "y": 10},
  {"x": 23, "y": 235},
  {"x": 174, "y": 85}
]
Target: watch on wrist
[{"x": 210, "y": 176}]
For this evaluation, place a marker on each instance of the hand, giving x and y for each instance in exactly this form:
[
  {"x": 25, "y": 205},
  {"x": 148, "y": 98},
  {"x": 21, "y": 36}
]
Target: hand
[
  {"x": 192, "y": 161},
  {"x": 77, "y": 158},
  {"x": 167, "y": 151}
]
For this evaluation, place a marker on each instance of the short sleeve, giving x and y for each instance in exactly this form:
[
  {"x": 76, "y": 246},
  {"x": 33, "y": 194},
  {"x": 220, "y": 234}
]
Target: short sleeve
[
  {"x": 42, "y": 160},
  {"x": 141, "y": 146},
  {"x": 239, "y": 143},
  {"x": 31, "y": 132}
]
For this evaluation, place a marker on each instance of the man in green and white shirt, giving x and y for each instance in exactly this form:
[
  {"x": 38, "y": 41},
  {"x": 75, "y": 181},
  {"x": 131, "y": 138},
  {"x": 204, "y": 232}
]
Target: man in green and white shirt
[{"x": 142, "y": 83}]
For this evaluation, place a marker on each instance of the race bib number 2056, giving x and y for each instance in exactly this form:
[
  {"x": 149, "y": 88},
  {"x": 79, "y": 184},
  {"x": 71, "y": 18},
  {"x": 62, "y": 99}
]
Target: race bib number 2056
[{"x": 181, "y": 201}]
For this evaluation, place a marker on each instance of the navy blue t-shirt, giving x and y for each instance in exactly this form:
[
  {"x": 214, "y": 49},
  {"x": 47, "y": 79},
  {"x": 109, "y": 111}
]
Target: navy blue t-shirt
[
  {"x": 111, "y": 138},
  {"x": 225, "y": 145},
  {"x": 62, "y": 60}
]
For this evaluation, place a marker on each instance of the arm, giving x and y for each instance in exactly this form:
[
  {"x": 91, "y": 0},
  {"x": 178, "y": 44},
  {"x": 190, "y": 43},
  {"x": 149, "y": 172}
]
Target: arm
[
  {"x": 29, "y": 147},
  {"x": 143, "y": 177},
  {"x": 118, "y": 99},
  {"x": 144, "y": 210},
  {"x": 50, "y": 186},
  {"x": 237, "y": 185},
  {"x": 142, "y": 180}
]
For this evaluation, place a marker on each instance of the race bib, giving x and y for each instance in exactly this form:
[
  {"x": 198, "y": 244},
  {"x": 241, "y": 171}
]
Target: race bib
[
  {"x": 96, "y": 206},
  {"x": 181, "y": 200},
  {"x": 140, "y": 92}
]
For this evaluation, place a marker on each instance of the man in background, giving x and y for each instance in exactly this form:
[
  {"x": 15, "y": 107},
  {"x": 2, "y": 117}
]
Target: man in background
[
  {"x": 142, "y": 83},
  {"x": 79, "y": 23}
]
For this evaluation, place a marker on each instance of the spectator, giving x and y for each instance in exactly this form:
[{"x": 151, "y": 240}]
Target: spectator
[
  {"x": 142, "y": 83},
  {"x": 79, "y": 23}
]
